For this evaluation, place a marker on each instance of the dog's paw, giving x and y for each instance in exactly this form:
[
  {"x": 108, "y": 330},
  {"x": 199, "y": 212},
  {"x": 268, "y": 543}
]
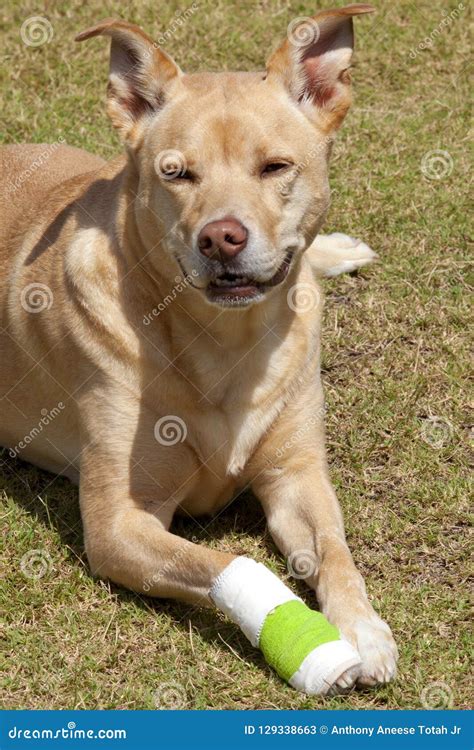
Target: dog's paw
[
  {"x": 333, "y": 254},
  {"x": 373, "y": 639}
]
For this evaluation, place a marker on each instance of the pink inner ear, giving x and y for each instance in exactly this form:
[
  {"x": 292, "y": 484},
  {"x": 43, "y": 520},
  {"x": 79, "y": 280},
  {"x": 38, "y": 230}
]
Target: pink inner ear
[
  {"x": 318, "y": 85},
  {"x": 324, "y": 60}
]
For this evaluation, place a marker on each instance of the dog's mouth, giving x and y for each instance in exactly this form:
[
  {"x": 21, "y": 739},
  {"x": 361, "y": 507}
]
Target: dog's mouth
[{"x": 230, "y": 288}]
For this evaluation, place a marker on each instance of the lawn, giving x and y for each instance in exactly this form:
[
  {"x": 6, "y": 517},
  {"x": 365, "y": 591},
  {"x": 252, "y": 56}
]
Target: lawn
[{"x": 395, "y": 343}]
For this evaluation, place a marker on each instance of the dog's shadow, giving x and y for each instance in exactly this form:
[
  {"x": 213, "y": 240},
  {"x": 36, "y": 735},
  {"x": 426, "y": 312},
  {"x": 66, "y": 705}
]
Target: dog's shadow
[{"x": 53, "y": 501}]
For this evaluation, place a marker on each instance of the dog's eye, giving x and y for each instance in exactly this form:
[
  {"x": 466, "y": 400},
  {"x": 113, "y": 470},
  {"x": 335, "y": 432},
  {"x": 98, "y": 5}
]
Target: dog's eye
[
  {"x": 177, "y": 174},
  {"x": 275, "y": 166},
  {"x": 187, "y": 175}
]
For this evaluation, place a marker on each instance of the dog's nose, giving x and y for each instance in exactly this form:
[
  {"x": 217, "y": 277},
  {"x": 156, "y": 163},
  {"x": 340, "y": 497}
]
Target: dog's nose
[{"x": 225, "y": 238}]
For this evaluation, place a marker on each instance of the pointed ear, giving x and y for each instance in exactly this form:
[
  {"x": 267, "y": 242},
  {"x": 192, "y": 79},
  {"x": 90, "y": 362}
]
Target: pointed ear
[
  {"x": 140, "y": 73},
  {"x": 313, "y": 63}
]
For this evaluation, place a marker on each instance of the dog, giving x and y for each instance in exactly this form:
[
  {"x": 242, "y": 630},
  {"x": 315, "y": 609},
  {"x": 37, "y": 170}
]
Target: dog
[{"x": 167, "y": 301}]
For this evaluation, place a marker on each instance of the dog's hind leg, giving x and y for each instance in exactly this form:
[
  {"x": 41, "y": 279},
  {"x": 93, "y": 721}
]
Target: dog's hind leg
[{"x": 333, "y": 254}]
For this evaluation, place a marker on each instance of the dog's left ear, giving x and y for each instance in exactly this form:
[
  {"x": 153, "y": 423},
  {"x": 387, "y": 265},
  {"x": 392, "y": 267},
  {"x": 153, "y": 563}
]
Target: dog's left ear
[
  {"x": 140, "y": 76},
  {"x": 313, "y": 63}
]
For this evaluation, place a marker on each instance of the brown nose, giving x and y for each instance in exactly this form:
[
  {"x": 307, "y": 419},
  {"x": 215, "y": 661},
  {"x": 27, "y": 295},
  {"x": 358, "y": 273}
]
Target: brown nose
[{"x": 225, "y": 238}]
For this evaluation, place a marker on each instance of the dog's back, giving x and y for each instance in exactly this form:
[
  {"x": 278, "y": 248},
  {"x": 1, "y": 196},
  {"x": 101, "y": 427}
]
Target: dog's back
[{"x": 30, "y": 171}]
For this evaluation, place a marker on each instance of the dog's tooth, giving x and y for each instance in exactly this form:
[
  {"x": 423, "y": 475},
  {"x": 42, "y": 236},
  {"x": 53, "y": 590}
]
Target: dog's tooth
[{"x": 235, "y": 281}]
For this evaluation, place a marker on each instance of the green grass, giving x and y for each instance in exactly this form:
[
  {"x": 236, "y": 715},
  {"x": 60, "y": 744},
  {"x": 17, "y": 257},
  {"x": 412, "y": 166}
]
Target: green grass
[{"x": 395, "y": 354}]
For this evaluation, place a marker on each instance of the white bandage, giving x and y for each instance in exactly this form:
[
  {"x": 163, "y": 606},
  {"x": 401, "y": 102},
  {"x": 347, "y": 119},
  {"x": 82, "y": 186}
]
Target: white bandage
[
  {"x": 246, "y": 591},
  {"x": 323, "y": 666}
]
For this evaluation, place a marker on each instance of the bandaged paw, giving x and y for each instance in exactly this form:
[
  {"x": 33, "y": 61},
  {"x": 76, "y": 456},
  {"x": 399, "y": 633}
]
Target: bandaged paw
[{"x": 299, "y": 643}]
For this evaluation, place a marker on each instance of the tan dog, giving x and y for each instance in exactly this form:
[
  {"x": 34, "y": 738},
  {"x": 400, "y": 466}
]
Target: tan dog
[{"x": 164, "y": 312}]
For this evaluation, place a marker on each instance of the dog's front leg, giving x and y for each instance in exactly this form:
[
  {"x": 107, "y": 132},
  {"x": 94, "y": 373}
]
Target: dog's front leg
[
  {"x": 306, "y": 523},
  {"x": 127, "y": 507},
  {"x": 126, "y": 510}
]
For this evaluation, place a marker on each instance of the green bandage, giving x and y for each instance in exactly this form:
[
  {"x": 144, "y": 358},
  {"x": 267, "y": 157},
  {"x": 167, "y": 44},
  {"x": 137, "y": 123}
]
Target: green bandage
[{"x": 290, "y": 633}]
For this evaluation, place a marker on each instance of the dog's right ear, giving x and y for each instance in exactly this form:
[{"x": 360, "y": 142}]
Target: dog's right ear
[{"x": 140, "y": 73}]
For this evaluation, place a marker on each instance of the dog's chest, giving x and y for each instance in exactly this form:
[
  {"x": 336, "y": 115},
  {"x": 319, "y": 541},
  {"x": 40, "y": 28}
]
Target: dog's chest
[
  {"x": 227, "y": 399},
  {"x": 238, "y": 412},
  {"x": 226, "y": 444},
  {"x": 235, "y": 434}
]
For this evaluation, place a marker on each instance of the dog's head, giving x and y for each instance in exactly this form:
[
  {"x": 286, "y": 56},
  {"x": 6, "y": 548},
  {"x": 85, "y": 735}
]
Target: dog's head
[{"x": 231, "y": 167}]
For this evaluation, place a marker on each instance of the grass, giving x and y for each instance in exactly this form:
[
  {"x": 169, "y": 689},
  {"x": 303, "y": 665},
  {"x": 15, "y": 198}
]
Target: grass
[{"x": 395, "y": 356}]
